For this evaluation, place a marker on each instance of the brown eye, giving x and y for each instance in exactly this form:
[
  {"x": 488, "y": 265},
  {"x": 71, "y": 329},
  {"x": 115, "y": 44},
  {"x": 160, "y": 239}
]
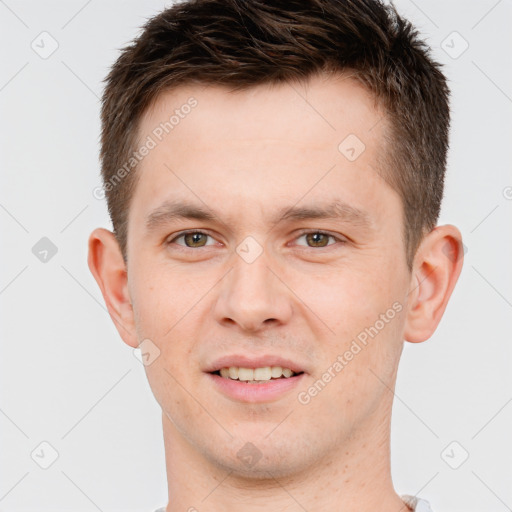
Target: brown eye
[
  {"x": 195, "y": 239},
  {"x": 192, "y": 239},
  {"x": 317, "y": 239}
]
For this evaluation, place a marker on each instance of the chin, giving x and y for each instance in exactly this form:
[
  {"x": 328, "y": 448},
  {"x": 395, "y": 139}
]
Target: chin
[{"x": 264, "y": 459}]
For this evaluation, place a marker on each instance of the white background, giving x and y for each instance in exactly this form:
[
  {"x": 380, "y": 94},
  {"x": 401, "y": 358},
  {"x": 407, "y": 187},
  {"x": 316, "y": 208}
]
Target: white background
[{"x": 68, "y": 379}]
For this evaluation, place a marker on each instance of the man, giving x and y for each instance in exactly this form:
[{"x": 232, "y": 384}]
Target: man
[{"x": 274, "y": 174}]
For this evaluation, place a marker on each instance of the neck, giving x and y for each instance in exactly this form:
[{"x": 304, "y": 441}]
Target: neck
[{"x": 355, "y": 477}]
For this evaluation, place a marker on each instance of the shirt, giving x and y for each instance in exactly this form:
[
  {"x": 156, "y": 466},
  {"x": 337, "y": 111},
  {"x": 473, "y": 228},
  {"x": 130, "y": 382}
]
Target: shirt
[{"x": 416, "y": 504}]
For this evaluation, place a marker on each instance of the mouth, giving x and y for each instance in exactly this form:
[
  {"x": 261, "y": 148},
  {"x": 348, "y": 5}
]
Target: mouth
[
  {"x": 255, "y": 378},
  {"x": 260, "y": 375},
  {"x": 262, "y": 380}
]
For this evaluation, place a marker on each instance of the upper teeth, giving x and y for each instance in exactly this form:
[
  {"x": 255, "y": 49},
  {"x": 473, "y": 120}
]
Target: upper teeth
[{"x": 248, "y": 374}]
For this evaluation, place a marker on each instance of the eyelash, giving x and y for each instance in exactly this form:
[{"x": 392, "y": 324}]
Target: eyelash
[{"x": 301, "y": 234}]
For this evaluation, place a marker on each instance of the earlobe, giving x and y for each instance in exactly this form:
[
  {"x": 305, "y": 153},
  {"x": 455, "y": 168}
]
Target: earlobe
[
  {"x": 436, "y": 269},
  {"x": 109, "y": 270}
]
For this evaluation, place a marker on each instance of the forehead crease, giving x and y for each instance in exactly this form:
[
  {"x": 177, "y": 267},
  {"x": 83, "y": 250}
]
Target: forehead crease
[
  {"x": 336, "y": 209},
  {"x": 172, "y": 210}
]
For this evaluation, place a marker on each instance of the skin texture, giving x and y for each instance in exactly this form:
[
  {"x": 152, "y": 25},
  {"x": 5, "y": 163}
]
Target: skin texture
[{"x": 244, "y": 156}]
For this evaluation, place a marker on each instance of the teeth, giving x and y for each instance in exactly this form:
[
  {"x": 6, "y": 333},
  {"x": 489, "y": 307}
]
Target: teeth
[
  {"x": 262, "y": 373},
  {"x": 276, "y": 372},
  {"x": 245, "y": 374},
  {"x": 255, "y": 375},
  {"x": 287, "y": 372}
]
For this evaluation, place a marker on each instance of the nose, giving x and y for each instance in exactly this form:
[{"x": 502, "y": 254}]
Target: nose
[{"x": 253, "y": 296}]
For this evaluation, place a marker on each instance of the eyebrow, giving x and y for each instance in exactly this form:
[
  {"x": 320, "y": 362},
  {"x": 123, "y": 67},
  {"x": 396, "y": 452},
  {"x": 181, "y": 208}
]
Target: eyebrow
[{"x": 170, "y": 211}]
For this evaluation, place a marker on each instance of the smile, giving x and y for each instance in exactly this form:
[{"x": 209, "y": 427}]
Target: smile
[
  {"x": 255, "y": 390},
  {"x": 255, "y": 375}
]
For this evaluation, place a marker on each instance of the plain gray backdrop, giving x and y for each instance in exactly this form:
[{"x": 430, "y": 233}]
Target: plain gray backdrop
[{"x": 69, "y": 382}]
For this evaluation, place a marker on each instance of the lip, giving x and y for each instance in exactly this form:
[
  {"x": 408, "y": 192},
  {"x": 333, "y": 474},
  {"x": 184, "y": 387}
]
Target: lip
[
  {"x": 245, "y": 361},
  {"x": 254, "y": 393}
]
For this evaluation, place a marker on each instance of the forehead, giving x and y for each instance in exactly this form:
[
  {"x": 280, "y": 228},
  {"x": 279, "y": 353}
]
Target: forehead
[
  {"x": 263, "y": 146},
  {"x": 317, "y": 112}
]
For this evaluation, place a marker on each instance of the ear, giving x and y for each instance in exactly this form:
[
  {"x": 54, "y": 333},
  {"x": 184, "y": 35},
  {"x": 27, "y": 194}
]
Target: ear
[
  {"x": 437, "y": 266},
  {"x": 109, "y": 269}
]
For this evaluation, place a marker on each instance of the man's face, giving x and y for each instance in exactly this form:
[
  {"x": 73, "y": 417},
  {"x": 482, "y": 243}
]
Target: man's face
[{"x": 257, "y": 288}]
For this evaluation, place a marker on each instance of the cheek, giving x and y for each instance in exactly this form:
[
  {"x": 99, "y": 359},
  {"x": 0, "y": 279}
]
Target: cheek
[
  {"x": 364, "y": 312},
  {"x": 346, "y": 300},
  {"x": 163, "y": 298},
  {"x": 360, "y": 366},
  {"x": 168, "y": 309}
]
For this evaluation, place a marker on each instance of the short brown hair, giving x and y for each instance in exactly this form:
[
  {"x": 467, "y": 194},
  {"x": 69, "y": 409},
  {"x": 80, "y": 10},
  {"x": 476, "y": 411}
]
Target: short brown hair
[{"x": 244, "y": 43}]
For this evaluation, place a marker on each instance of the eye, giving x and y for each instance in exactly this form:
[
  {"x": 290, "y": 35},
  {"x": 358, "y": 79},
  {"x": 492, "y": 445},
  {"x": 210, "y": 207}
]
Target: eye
[
  {"x": 318, "y": 238},
  {"x": 192, "y": 239},
  {"x": 197, "y": 239}
]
